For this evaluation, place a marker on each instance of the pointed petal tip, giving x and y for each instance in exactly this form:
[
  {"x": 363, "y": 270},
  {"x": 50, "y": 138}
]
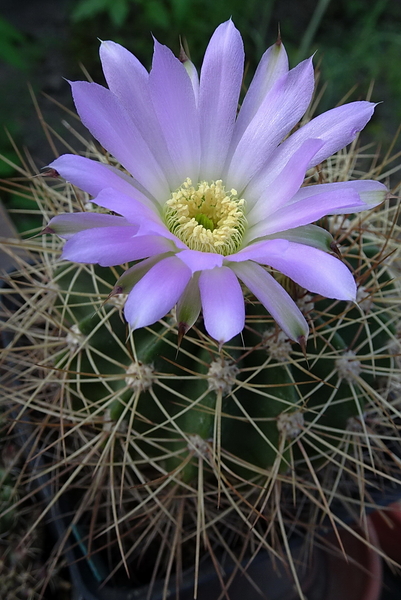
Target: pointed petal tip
[
  {"x": 158, "y": 45},
  {"x": 278, "y": 40},
  {"x": 334, "y": 248},
  {"x": 302, "y": 342},
  {"x": 182, "y": 330},
  {"x": 106, "y": 47},
  {"x": 117, "y": 290},
  {"x": 182, "y": 56},
  {"x": 227, "y": 25}
]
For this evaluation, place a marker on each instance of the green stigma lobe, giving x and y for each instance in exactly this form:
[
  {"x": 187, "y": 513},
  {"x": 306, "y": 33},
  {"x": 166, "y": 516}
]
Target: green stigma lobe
[{"x": 204, "y": 221}]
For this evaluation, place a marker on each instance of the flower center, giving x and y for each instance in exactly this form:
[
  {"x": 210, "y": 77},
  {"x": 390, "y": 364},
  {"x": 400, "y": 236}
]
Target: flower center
[{"x": 207, "y": 217}]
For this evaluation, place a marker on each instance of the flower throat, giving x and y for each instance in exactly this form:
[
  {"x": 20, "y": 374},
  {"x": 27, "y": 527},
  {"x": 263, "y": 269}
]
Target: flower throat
[{"x": 207, "y": 217}]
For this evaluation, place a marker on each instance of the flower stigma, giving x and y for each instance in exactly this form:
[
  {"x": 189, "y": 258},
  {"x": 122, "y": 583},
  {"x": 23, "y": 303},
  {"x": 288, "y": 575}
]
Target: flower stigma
[{"x": 207, "y": 217}]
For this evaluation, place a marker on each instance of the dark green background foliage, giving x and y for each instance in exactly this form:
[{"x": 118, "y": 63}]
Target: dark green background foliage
[{"x": 357, "y": 42}]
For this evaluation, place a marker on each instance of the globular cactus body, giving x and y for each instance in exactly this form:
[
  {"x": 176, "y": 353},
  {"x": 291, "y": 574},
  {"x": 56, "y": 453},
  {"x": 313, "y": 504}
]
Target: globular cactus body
[
  {"x": 248, "y": 402},
  {"x": 171, "y": 450}
]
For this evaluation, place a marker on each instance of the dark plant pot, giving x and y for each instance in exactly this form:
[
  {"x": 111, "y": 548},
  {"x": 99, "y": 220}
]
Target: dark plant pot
[
  {"x": 360, "y": 576},
  {"x": 387, "y": 523},
  {"x": 328, "y": 576}
]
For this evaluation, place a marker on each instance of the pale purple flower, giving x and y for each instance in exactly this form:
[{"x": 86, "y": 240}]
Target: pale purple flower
[{"x": 213, "y": 198}]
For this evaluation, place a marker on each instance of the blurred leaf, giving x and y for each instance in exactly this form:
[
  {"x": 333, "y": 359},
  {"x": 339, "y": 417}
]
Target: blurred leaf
[
  {"x": 118, "y": 11},
  {"x": 181, "y": 9},
  {"x": 14, "y": 49},
  {"x": 87, "y": 9},
  {"x": 157, "y": 13}
]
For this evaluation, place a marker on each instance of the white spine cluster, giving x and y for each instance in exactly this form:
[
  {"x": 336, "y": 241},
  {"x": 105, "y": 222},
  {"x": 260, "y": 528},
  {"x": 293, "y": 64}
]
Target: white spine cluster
[
  {"x": 290, "y": 424},
  {"x": 75, "y": 338},
  {"x": 364, "y": 299},
  {"x": 354, "y": 424},
  {"x": 140, "y": 377},
  {"x": 118, "y": 300},
  {"x": 305, "y": 304},
  {"x": 198, "y": 445},
  {"x": 277, "y": 345},
  {"x": 222, "y": 376},
  {"x": 348, "y": 367},
  {"x": 110, "y": 424}
]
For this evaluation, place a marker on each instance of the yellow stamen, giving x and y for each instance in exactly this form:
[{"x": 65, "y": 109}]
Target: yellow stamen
[{"x": 207, "y": 217}]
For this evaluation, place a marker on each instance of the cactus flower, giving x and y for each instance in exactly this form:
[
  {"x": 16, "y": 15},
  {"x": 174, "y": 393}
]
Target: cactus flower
[{"x": 209, "y": 197}]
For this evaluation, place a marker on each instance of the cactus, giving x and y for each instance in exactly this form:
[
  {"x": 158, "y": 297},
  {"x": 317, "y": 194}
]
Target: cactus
[
  {"x": 172, "y": 448},
  {"x": 173, "y": 451}
]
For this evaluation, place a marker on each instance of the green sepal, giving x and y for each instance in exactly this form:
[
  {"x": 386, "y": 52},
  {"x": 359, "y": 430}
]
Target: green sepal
[
  {"x": 189, "y": 305},
  {"x": 131, "y": 276},
  {"x": 309, "y": 235}
]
